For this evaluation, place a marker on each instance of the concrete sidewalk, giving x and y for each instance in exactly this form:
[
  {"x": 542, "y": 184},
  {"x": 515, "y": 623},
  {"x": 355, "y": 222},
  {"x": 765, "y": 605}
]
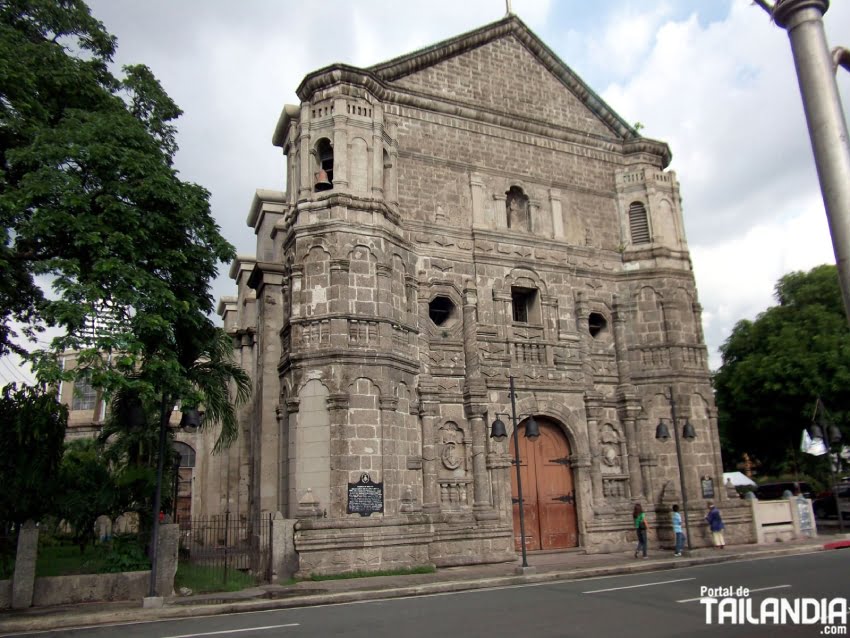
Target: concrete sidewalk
[{"x": 544, "y": 567}]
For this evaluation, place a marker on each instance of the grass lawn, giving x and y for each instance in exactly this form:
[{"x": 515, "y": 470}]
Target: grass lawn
[
  {"x": 201, "y": 579},
  {"x": 64, "y": 559}
]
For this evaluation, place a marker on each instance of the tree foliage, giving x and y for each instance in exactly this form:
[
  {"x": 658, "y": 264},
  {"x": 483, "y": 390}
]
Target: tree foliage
[
  {"x": 32, "y": 433},
  {"x": 90, "y": 200},
  {"x": 87, "y": 490},
  {"x": 774, "y": 368}
]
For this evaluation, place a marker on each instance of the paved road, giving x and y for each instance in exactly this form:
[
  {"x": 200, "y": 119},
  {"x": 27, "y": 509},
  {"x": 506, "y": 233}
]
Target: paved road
[{"x": 651, "y": 605}]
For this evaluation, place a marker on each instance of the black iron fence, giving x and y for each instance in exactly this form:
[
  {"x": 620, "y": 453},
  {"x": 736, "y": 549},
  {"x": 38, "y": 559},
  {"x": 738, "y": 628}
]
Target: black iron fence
[{"x": 227, "y": 546}]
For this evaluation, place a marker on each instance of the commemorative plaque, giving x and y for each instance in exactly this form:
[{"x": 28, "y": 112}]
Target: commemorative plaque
[
  {"x": 365, "y": 497},
  {"x": 707, "y": 484}
]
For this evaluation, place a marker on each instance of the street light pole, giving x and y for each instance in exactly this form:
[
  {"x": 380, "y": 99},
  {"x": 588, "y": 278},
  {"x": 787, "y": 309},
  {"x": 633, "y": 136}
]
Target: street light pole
[
  {"x": 499, "y": 433},
  {"x": 518, "y": 476},
  {"x": 830, "y": 435},
  {"x": 163, "y": 425},
  {"x": 816, "y": 68},
  {"x": 689, "y": 433}
]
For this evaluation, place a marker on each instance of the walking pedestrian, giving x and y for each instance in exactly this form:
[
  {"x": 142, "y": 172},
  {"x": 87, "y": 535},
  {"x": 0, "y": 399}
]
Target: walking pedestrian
[
  {"x": 715, "y": 524},
  {"x": 640, "y": 527},
  {"x": 677, "y": 530}
]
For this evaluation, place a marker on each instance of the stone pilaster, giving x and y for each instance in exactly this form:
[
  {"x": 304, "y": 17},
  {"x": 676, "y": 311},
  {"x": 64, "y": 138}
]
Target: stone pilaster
[
  {"x": 429, "y": 411},
  {"x": 593, "y": 409}
]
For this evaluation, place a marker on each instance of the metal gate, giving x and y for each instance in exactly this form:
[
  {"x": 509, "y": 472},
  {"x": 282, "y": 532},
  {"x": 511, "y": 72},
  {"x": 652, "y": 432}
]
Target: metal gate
[{"x": 221, "y": 546}]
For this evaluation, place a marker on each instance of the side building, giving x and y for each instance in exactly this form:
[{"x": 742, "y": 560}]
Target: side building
[
  {"x": 87, "y": 413},
  {"x": 458, "y": 221}
]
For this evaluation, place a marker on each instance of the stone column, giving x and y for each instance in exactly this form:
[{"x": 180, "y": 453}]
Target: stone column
[
  {"x": 293, "y": 405},
  {"x": 339, "y": 409},
  {"x": 479, "y": 213},
  {"x": 500, "y": 216},
  {"x": 283, "y": 556},
  {"x": 594, "y": 413},
  {"x": 475, "y": 397},
  {"x": 429, "y": 411},
  {"x": 377, "y": 152},
  {"x": 557, "y": 214},
  {"x": 629, "y": 418},
  {"x": 166, "y": 559},
  {"x": 384, "y": 305},
  {"x": 500, "y": 466},
  {"x": 580, "y": 464},
  {"x": 23, "y": 580},
  {"x": 340, "y": 140},
  {"x": 307, "y": 160},
  {"x": 470, "y": 331},
  {"x": 536, "y": 224},
  {"x": 620, "y": 345},
  {"x": 391, "y": 460}
]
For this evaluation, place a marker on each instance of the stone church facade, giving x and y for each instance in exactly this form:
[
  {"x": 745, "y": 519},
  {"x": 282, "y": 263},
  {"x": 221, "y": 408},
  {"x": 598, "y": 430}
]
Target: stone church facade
[{"x": 456, "y": 219}]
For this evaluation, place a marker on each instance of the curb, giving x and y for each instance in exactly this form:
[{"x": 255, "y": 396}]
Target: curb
[
  {"x": 174, "y": 611},
  {"x": 836, "y": 545}
]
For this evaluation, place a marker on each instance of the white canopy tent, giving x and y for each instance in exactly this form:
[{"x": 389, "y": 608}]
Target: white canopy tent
[{"x": 739, "y": 479}]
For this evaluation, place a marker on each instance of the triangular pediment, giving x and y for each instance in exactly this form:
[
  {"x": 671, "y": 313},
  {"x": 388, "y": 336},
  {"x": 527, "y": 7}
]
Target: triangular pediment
[{"x": 504, "y": 67}]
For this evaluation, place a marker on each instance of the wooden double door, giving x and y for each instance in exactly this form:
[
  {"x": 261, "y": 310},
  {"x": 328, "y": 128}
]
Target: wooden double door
[{"x": 548, "y": 492}]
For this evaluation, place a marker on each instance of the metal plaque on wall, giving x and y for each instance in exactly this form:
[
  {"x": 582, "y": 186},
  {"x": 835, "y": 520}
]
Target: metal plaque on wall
[
  {"x": 365, "y": 497},
  {"x": 707, "y": 484}
]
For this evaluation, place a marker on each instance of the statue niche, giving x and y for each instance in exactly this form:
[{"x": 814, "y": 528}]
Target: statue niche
[{"x": 453, "y": 475}]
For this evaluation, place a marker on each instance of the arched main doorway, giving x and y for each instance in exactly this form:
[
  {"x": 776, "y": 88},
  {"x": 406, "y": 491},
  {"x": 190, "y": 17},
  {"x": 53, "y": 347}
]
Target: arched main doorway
[{"x": 548, "y": 493}]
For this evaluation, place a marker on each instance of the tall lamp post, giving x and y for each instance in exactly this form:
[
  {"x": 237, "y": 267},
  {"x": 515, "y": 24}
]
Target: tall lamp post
[
  {"x": 499, "y": 432},
  {"x": 689, "y": 434},
  {"x": 816, "y": 68},
  {"x": 830, "y": 435}
]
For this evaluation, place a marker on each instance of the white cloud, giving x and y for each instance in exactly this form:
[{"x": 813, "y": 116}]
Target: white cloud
[
  {"x": 720, "y": 89},
  {"x": 737, "y": 277},
  {"x": 724, "y": 96}
]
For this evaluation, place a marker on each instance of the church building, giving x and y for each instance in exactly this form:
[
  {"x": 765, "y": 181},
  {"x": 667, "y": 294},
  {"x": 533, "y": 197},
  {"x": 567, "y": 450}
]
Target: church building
[{"x": 468, "y": 237}]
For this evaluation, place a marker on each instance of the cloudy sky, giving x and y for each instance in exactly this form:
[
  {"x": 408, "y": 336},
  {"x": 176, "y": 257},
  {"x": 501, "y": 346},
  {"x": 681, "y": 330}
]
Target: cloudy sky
[{"x": 712, "y": 78}]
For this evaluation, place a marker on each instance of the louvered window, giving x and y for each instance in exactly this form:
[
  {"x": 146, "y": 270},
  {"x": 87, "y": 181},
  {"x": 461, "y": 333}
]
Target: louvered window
[{"x": 638, "y": 223}]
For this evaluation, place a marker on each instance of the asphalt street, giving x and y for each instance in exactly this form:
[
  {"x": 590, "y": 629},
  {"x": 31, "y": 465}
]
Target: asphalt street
[{"x": 651, "y": 605}]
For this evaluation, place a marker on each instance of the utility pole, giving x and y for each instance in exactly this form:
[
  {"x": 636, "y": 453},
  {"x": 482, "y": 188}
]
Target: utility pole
[{"x": 816, "y": 68}]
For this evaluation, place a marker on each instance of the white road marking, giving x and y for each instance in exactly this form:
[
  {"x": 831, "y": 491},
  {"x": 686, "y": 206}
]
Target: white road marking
[
  {"x": 690, "y": 600},
  {"x": 233, "y": 631},
  {"x": 662, "y": 582}
]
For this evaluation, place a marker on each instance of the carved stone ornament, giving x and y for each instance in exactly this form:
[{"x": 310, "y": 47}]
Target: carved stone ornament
[{"x": 451, "y": 456}]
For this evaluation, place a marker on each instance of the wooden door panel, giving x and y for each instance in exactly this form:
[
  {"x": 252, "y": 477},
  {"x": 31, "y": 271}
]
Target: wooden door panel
[
  {"x": 555, "y": 493},
  {"x": 551, "y": 520}
]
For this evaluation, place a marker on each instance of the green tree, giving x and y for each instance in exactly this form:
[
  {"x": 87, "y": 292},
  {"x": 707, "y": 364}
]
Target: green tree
[
  {"x": 87, "y": 489},
  {"x": 90, "y": 201},
  {"x": 32, "y": 432},
  {"x": 774, "y": 368}
]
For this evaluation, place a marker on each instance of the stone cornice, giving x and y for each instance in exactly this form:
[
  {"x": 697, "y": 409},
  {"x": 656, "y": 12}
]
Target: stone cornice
[
  {"x": 376, "y": 80},
  {"x": 261, "y": 267}
]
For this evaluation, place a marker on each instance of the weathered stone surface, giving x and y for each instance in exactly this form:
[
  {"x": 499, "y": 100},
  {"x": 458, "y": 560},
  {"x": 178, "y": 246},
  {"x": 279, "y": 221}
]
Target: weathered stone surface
[
  {"x": 23, "y": 579},
  {"x": 488, "y": 217},
  {"x": 166, "y": 562}
]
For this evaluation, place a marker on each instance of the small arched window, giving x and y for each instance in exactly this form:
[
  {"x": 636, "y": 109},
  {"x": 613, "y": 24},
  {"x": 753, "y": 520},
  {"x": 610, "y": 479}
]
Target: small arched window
[
  {"x": 324, "y": 177},
  {"x": 638, "y": 223},
  {"x": 187, "y": 454}
]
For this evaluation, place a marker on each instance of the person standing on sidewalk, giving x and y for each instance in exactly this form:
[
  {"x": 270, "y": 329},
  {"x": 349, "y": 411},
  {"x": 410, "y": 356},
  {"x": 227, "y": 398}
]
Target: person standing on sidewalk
[
  {"x": 677, "y": 530},
  {"x": 640, "y": 527},
  {"x": 715, "y": 524}
]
